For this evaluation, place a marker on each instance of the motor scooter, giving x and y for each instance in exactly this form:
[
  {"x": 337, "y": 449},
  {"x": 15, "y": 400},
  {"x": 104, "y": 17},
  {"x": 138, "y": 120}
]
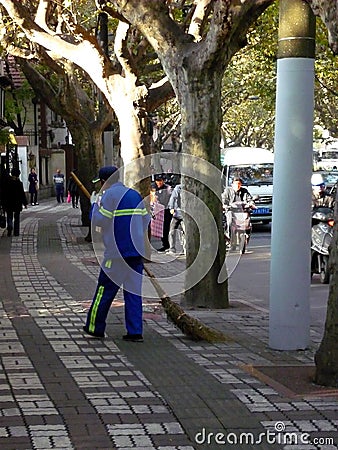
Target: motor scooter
[
  {"x": 239, "y": 232},
  {"x": 321, "y": 237}
]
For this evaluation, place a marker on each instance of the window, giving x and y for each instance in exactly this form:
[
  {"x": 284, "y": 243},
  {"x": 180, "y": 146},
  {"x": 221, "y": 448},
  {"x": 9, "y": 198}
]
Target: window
[{"x": 250, "y": 175}]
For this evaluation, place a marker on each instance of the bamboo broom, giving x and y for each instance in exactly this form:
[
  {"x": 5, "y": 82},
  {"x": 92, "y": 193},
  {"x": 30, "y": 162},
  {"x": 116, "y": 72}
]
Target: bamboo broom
[{"x": 190, "y": 326}]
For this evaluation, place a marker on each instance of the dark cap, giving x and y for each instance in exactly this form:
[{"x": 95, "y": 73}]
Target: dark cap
[
  {"x": 15, "y": 172},
  {"x": 104, "y": 173},
  {"x": 159, "y": 177}
]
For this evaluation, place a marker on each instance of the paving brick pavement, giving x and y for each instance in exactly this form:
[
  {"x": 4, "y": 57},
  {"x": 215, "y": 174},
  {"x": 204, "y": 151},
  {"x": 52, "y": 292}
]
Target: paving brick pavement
[{"x": 60, "y": 390}]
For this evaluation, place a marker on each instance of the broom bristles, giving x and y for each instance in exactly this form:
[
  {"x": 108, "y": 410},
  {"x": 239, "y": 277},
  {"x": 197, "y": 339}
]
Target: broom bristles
[{"x": 190, "y": 326}]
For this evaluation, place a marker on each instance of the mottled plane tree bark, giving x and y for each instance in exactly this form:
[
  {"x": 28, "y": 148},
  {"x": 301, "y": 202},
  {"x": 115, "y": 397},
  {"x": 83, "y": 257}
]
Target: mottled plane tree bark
[{"x": 327, "y": 10}]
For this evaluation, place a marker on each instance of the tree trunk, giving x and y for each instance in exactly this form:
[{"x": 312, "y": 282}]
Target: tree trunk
[
  {"x": 128, "y": 102},
  {"x": 326, "y": 357},
  {"x": 201, "y": 114},
  {"x": 89, "y": 151}
]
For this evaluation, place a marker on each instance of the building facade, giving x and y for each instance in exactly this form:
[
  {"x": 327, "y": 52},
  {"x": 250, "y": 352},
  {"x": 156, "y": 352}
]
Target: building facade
[{"x": 42, "y": 138}]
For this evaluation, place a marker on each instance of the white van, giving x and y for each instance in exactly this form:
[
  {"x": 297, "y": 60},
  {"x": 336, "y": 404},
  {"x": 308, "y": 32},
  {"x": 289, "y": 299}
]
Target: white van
[
  {"x": 328, "y": 159},
  {"x": 255, "y": 168}
]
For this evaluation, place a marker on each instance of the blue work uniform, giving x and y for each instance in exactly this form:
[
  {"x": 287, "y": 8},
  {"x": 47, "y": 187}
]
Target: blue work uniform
[{"x": 123, "y": 220}]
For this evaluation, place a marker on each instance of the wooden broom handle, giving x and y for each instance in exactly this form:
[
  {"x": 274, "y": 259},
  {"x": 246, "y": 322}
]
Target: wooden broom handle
[{"x": 81, "y": 186}]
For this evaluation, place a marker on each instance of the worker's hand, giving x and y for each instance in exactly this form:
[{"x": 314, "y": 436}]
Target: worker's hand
[
  {"x": 172, "y": 211},
  {"x": 93, "y": 197}
]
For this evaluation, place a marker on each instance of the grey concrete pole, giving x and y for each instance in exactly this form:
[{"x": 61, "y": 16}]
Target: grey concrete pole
[{"x": 289, "y": 325}]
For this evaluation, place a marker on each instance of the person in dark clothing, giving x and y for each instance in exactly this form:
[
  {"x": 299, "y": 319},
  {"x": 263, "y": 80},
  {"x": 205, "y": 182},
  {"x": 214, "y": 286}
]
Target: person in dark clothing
[
  {"x": 163, "y": 193},
  {"x": 73, "y": 189},
  {"x": 320, "y": 197},
  {"x": 59, "y": 183},
  {"x": 13, "y": 198},
  {"x": 33, "y": 187},
  {"x": 236, "y": 193}
]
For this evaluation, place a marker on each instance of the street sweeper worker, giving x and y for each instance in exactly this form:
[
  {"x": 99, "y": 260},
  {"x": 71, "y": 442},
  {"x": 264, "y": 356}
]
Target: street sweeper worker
[{"x": 120, "y": 214}]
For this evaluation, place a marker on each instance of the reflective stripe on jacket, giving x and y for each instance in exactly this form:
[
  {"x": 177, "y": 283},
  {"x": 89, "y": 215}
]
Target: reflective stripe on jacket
[{"x": 123, "y": 219}]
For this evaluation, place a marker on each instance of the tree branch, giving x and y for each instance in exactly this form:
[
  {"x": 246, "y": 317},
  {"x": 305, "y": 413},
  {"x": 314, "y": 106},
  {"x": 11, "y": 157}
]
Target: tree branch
[
  {"x": 41, "y": 14},
  {"x": 199, "y": 18},
  {"x": 159, "y": 93},
  {"x": 326, "y": 87},
  {"x": 78, "y": 48},
  {"x": 120, "y": 47}
]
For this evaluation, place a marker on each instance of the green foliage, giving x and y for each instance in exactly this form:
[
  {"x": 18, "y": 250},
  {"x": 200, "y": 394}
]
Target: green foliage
[
  {"x": 249, "y": 86},
  {"x": 326, "y": 83},
  {"x": 4, "y": 136}
]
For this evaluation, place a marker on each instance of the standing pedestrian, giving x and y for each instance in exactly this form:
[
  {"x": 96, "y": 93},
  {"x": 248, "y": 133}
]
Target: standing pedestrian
[
  {"x": 33, "y": 186},
  {"x": 73, "y": 189},
  {"x": 59, "y": 183},
  {"x": 13, "y": 198},
  {"x": 176, "y": 225},
  {"x": 163, "y": 193},
  {"x": 123, "y": 220},
  {"x": 157, "y": 214}
]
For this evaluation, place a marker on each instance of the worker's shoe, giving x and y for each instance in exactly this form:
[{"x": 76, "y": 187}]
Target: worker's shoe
[
  {"x": 88, "y": 334},
  {"x": 133, "y": 337}
]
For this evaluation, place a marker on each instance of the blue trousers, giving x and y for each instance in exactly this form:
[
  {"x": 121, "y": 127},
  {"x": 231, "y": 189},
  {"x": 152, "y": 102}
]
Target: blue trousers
[
  {"x": 59, "y": 194},
  {"x": 115, "y": 274}
]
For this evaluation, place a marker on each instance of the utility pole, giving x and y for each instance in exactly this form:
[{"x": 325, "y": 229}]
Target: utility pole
[{"x": 289, "y": 326}]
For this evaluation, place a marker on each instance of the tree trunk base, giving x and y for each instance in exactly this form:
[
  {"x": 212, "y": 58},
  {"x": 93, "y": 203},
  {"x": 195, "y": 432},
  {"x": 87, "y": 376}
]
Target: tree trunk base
[
  {"x": 326, "y": 379},
  {"x": 326, "y": 373}
]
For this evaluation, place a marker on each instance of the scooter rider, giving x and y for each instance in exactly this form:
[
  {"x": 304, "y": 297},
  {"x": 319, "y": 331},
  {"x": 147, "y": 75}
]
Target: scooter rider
[
  {"x": 320, "y": 198},
  {"x": 232, "y": 195}
]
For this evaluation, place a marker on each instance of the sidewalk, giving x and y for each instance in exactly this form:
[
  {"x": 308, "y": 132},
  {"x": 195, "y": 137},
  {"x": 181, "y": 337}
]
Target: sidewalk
[{"x": 59, "y": 390}]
